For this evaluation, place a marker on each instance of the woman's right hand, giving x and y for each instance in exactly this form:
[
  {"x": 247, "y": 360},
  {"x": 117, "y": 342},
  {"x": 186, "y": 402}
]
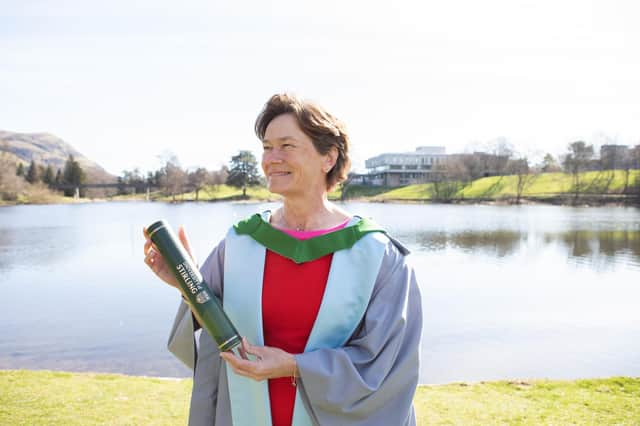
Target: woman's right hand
[{"x": 155, "y": 261}]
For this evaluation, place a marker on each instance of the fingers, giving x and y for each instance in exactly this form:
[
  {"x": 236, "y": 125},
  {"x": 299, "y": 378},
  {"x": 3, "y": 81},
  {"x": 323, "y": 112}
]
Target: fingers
[
  {"x": 251, "y": 349},
  {"x": 150, "y": 259},
  {"x": 185, "y": 241},
  {"x": 147, "y": 243},
  {"x": 150, "y": 253},
  {"x": 267, "y": 363},
  {"x": 246, "y": 368},
  {"x": 243, "y": 365},
  {"x": 243, "y": 353}
]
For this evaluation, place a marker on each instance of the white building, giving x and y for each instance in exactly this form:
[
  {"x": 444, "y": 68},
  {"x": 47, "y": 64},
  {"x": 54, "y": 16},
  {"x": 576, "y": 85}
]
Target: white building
[{"x": 396, "y": 169}]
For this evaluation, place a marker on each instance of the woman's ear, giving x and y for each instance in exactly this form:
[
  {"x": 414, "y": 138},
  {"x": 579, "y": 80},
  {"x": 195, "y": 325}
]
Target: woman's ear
[{"x": 330, "y": 159}]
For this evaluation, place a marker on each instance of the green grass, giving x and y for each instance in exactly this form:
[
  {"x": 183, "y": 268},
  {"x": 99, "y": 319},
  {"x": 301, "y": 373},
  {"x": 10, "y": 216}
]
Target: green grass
[
  {"x": 209, "y": 193},
  {"x": 410, "y": 192},
  {"x": 355, "y": 192},
  {"x": 226, "y": 192},
  {"x": 582, "y": 402},
  {"x": 501, "y": 187},
  {"x": 58, "y": 398},
  {"x": 546, "y": 184}
]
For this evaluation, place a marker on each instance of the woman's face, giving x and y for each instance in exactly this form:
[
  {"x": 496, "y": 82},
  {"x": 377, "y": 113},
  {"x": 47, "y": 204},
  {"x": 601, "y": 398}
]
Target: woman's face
[{"x": 290, "y": 162}]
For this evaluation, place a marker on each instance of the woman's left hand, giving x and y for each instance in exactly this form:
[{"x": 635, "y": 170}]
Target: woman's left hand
[{"x": 269, "y": 363}]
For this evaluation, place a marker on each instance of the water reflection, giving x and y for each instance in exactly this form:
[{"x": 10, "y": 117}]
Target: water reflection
[
  {"x": 496, "y": 243},
  {"x": 596, "y": 247}
]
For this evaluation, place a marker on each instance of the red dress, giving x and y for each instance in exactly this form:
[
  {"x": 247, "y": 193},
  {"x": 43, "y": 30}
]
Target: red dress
[{"x": 291, "y": 298}]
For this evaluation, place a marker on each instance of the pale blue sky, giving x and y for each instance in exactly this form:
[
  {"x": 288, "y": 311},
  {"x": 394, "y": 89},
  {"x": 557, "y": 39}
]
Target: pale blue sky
[{"x": 123, "y": 81}]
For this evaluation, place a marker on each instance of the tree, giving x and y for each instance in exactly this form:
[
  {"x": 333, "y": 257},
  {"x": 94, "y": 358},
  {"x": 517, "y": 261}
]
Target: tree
[
  {"x": 20, "y": 170},
  {"x": 171, "y": 177},
  {"x": 47, "y": 176},
  {"x": 10, "y": 185},
  {"x": 447, "y": 178},
  {"x": 243, "y": 171},
  {"x": 58, "y": 179},
  {"x": 198, "y": 179},
  {"x": 501, "y": 151},
  {"x": 344, "y": 187},
  {"x": 549, "y": 164},
  {"x": 634, "y": 161},
  {"x": 520, "y": 168},
  {"x": 216, "y": 178},
  {"x": 151, "y": 179},
  {"x": 575, "y": 162},
  {"x": 72, "y": 175},
  {"x": 32, "y": 173},
  {"x": 132, "y": 178}
]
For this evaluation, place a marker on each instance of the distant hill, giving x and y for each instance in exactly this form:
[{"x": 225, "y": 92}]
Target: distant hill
[{"x": 47, "y": 149}]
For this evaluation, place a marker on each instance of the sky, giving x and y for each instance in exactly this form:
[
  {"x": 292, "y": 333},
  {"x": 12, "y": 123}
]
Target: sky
[{"x": 126, "y": 82}]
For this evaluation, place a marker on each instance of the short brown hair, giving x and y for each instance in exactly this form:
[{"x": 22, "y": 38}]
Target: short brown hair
[{"x": 324, "y": 129}]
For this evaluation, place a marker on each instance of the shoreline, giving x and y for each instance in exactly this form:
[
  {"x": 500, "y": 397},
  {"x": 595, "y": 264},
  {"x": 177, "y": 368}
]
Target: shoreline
[
  {"x": 557, "y": 200},
  {"x": 510, "y": 380}
]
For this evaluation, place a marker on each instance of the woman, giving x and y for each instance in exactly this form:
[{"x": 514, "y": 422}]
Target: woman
[{"x": 329, "y": 310}]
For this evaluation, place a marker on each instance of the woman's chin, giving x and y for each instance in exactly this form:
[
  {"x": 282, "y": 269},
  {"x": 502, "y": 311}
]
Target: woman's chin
[{"x": 277, "y": 189}]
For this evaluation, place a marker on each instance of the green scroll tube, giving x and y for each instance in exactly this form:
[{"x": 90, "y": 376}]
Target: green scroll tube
[{"x": 205, "y": 305}]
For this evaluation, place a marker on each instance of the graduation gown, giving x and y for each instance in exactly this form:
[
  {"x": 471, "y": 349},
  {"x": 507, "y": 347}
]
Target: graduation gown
[{"x": 371, "y": 380}]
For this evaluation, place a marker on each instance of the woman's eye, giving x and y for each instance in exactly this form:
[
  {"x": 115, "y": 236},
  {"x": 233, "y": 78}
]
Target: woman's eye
[{"x": 266, "y": 148}]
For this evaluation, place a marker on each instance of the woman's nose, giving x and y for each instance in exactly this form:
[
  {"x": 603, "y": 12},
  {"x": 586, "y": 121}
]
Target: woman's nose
[{"x": 272, "y": 156}]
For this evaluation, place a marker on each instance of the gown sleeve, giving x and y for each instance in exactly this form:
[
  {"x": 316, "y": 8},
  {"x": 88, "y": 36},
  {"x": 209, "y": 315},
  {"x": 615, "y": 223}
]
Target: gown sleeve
[
  {"x": 202, "y": 357},
  {"x": 372, "y": 379}
]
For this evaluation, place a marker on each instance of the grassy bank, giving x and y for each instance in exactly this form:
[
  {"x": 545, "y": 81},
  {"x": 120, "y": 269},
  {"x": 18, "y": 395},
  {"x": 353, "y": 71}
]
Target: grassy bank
[
  {"x": 209, "y": 193},
  {"x": 539, "y": 187},
  {"x": 597, "y": 187},
  {"x": 58, "y": 398}
]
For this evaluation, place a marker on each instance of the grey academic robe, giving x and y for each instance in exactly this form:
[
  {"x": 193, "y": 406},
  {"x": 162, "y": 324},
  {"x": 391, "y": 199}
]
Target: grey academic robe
[{"x": 369, "y": 381}]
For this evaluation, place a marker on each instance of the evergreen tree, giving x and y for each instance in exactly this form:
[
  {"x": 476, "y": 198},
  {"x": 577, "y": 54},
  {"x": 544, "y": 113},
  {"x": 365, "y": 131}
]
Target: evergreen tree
[
  {"x": 58, "y": 179},
  {"x": 32, "y": 173},
  {"x": 48, "y": 177},
  {"x": 20, "y": 170},
  {"x": 549, "y": 164},
  {"x": 72, "y": 175},
  {"x": 243, "y": 171}
]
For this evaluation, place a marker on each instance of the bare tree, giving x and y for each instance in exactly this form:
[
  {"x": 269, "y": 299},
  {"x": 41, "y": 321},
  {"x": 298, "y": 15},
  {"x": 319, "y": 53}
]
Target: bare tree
[
  {"x": 501, "y": 151},
  {"x": 575, "y": 163},
  {"x": 344, "y": 187},
  {"x": 216, "y": 178},
  {"x": 447, "y": 179},
  {"x": 524, "y": 176},
  {"x": 634, "y": 163},
  {"x": 198, "y": 179},
  {"x": 172, "y": 177},
  {"x": 11, "y": 185}
]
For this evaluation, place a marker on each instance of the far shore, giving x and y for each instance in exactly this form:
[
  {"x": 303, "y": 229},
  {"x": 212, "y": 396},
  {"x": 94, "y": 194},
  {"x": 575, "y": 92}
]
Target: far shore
[
  {"x": 558, "y": 200},
  {"x": 605, "y": 188}
]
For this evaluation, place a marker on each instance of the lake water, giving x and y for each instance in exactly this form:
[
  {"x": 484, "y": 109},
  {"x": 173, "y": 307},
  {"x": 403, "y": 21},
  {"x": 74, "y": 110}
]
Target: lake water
[{"x": 508, "y": 292}]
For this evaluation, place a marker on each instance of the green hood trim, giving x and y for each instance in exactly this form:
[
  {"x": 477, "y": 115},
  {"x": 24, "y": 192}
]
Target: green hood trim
[{"x": 301, "y": 251}]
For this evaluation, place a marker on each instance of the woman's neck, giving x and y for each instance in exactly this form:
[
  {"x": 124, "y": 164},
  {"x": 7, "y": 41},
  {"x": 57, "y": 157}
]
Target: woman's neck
[{"x": 306, "y": 215}]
